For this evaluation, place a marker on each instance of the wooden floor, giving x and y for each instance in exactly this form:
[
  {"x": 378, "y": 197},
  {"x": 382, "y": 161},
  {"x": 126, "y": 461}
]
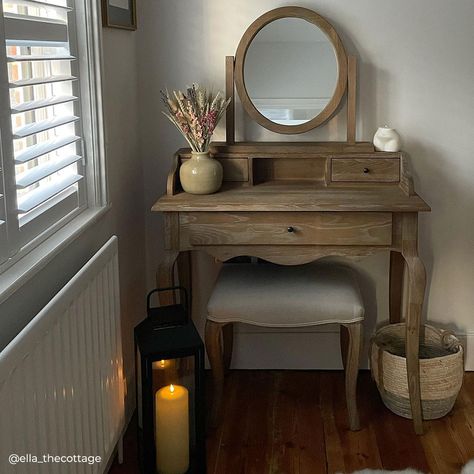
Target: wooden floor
[{"x": 295, "y": 422}]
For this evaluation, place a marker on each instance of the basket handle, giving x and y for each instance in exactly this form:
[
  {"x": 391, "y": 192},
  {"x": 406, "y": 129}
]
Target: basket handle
[{"x": 450, "y": 341}]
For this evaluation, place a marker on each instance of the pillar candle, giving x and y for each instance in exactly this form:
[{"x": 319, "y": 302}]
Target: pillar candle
[{"x": 172, "y": 430}]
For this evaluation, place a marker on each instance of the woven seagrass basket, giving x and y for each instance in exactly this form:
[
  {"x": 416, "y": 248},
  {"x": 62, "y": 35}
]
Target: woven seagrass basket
[{"x": 441, "y": 369}]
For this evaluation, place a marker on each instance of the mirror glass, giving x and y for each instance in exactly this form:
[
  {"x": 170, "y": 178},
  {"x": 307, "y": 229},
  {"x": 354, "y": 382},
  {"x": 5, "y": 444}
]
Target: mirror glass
[{"x": 290, "y": 71}]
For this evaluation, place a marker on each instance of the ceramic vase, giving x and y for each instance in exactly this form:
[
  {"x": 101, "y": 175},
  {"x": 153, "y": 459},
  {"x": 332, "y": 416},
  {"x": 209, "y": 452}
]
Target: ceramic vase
[
  {"x": 202, "y": 174},
  {"x": 387, "y": 139}
]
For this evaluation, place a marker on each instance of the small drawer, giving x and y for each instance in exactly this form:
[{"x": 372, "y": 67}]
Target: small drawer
[
  {"x": 286, "y": 228},
  {"x": 365, "y": 170}
]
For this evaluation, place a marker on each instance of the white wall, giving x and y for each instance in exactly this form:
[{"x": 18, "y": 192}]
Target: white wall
[
  {"x": 416, "y": 72},
  {"x": 125, "y": 219}
]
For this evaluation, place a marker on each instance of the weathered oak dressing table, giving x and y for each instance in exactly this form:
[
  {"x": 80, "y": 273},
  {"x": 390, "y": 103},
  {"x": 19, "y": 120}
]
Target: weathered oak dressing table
[{"x": 292, "y": 203}]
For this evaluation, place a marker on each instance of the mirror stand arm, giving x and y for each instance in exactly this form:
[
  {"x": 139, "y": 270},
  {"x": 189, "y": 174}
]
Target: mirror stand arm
[
  {"x": 230, "y": 93},
  {"x": 351, "y": 98}
]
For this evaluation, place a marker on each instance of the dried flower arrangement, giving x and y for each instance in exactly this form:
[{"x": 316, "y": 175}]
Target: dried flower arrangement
[{"x": 195, "y": 114}]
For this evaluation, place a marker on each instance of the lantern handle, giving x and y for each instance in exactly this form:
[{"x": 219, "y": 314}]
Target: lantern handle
[{"x": 169, "y": 288}]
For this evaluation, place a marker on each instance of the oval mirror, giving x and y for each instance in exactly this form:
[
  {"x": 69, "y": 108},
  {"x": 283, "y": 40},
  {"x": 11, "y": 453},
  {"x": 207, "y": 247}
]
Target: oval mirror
[{"x": 291, "y": 70}]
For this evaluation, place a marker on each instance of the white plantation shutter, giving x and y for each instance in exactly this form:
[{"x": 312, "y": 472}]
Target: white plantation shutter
[
  {"x": 4, "y": 248},
  {"x": 43, "y": 149}
]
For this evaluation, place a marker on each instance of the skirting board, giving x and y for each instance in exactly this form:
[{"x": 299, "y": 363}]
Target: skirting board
[{"x": 305, "y": 350}]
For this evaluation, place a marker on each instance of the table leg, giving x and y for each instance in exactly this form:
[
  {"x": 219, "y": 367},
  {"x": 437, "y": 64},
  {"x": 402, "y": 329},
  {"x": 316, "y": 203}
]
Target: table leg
[
  {"x": 165, "y": 276},
  {"x": 183, "y": 263},
  {"x": 416, "y": 293},
  {"x": 397, "y": 265},
  {"x": 213, "y": 339}
]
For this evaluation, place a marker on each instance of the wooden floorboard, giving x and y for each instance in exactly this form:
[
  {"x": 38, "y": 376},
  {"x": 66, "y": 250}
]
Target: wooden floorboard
[
  {"x": 295, "y": 422},
  {"x": 332, "y": 439},
  {"x": 397, "y": 443},
  {"x": 257, "y": 430}
]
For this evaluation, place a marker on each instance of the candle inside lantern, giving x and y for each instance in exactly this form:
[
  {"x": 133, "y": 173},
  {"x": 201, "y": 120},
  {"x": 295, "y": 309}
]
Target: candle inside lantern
[
  {"x": 161, "y": 364},
  {"x": 164, "y": 373},
  {"x": 172, "y": 429}
]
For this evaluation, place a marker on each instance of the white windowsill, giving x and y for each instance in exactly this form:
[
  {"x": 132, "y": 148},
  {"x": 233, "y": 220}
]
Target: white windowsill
[{"x": 19, "y": 273}]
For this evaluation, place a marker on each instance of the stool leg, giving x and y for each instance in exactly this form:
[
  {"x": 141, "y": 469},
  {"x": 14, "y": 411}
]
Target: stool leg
[
  {"x": 213, "y": 338},
  {"x": 228, "y": 344},
  {"x": 344, "y": 341},
  {"x": 352, "y": 369}
]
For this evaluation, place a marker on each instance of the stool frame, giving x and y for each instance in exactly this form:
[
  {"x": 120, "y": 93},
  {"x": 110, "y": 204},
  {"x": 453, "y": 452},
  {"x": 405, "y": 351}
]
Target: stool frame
[{"x": 219, "y": 345}]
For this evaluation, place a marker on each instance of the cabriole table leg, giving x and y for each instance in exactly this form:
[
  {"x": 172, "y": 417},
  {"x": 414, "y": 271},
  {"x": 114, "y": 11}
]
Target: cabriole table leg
[
  {"x": 397, "y": 265},
  {"x": 416, "y": 293}
]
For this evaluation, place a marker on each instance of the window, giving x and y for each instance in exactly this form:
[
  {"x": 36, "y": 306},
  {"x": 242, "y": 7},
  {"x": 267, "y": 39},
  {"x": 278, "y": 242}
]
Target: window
[{"x": 50, "y": 119}]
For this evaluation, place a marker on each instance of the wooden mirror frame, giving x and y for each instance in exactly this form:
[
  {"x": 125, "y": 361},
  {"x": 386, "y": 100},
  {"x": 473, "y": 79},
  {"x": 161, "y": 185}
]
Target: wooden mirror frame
[{"x": 341, "y": 58}]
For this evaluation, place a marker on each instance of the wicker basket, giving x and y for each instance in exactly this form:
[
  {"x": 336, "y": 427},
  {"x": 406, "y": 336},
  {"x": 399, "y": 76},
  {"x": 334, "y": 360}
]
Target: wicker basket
[{"x": 441, "y": 370}]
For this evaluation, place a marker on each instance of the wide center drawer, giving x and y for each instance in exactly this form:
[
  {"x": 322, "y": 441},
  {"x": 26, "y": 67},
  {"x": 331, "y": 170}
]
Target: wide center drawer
[
  {"x": 381, "y": 170},
  {"x": 285, "y": 228}
]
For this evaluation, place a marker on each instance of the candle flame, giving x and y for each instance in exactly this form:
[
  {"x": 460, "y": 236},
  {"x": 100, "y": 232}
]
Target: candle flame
[{"x": 172, "y": 388}]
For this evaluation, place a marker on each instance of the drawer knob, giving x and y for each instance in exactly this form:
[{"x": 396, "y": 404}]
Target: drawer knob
[
  {"x": 366, "y": 170},
  {"x": 291, "y": 229}
]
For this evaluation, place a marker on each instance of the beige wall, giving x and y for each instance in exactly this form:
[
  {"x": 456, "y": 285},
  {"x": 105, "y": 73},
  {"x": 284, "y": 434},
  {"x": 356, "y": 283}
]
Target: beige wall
[
  {"x": 125, "y": 218},
  {"x": 416, "y": 74}
]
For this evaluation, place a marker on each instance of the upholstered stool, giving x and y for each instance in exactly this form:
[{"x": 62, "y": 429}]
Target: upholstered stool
[{"x": 284, "y": 296}]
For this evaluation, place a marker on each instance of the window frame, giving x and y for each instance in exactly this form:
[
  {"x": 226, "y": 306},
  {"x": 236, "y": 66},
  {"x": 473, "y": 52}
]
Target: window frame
[{"x": 86, "y": 26}]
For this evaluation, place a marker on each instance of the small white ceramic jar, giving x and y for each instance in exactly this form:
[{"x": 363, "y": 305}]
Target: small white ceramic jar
[{"x": 387, "y": 139}]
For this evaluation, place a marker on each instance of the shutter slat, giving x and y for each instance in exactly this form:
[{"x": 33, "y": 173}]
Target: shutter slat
[
  {"x": 38, "y": 127},
  {"x": 35, "y": 19},
  {"x": 43, "y": 148},
  {"x": 42, "y": 171},
  {"x": 43, "y": 193},
  {"x": 39, "y": 3},
  {"x": 41, "y": 80},
  {"x": 38, "y": 104},
  {"x": 60, "y": 205},
  {"x": 41, "y": 30},
  {"x": 52, "y": 57}
]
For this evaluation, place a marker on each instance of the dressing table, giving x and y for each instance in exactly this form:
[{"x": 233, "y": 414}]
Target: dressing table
[{"x": 293, "y": 203}]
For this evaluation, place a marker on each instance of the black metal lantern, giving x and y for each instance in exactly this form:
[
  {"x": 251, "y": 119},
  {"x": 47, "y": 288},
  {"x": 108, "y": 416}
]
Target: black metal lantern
[{"x": 170, "y": 390}]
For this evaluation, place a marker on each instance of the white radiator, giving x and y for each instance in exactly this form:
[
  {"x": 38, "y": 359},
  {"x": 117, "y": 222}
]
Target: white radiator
[{"x": 61, "y": 378}]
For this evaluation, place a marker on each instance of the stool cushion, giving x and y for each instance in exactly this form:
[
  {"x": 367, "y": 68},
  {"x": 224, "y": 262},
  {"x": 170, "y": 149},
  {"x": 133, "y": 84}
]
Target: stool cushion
[{"x": 286, "y": 296}]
